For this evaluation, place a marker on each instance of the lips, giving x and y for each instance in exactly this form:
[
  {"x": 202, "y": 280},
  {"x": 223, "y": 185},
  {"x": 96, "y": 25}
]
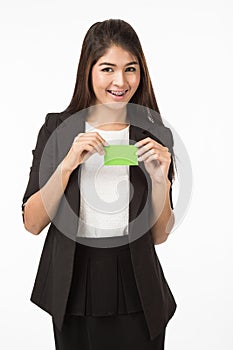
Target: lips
[{"x": 117, "y": 92}]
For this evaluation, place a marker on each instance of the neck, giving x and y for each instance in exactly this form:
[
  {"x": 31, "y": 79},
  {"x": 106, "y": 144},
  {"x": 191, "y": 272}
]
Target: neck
[{"x": 107, "y": 116}]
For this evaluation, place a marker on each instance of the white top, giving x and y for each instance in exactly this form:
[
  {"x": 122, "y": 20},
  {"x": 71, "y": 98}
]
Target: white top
[{"x": 104, "y": 191}]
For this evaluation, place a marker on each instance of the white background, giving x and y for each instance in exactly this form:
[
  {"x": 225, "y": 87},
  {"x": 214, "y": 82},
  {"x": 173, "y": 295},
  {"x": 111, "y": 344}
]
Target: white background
[{"x": 188, "y": 47}]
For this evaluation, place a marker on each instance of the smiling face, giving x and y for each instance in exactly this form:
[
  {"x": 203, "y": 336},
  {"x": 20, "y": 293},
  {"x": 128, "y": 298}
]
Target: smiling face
[{"x": 115, "y": 76}]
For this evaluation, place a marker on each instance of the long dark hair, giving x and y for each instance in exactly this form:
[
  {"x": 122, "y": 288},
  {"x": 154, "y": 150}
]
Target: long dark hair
[{"x": 98, "y": 39}]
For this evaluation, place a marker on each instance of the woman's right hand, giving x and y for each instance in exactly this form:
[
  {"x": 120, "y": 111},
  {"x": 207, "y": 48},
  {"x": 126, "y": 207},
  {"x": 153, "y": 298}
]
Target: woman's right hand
[{"x": 83, "y": 146}]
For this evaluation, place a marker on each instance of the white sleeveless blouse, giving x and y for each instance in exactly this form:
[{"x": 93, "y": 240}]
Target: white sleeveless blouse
[{"x": 104, "y": 191}]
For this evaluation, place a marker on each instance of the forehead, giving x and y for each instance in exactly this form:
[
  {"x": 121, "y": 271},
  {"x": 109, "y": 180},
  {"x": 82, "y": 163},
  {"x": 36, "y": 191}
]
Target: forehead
[{"x": 116, "y": 54}]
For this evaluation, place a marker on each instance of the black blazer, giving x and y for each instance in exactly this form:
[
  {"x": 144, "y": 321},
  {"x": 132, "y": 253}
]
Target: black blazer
[{"x": 53, "y": 279}]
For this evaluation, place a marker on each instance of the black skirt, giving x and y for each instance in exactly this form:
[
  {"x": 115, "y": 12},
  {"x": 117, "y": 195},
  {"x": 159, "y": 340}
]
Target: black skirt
[
  {"x": 124, "y": 332},
  {"x": 103, "y": 282}
]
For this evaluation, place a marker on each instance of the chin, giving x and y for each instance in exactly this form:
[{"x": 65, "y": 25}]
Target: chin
[
  {"x": 116, "y": 105},
  {"x": 112, "y": 105}
]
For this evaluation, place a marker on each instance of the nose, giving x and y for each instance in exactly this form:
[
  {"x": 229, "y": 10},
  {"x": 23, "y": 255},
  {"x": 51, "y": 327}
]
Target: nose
[{"x": 119, "y": 79}]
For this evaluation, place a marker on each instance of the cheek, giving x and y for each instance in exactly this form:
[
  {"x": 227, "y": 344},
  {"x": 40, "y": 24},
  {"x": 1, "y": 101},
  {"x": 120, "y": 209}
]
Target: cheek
[
  {"x": 98, "y": 81},
  {"x": 135, "y": 81}
]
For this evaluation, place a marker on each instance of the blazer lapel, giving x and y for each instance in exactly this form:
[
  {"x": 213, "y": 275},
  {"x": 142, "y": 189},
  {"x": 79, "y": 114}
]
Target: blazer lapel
[{"x": 140, "y": 185}]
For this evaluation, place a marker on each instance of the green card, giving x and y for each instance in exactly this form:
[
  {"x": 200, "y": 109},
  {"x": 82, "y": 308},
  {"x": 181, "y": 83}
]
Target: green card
[{"x": 120, "y": 155}]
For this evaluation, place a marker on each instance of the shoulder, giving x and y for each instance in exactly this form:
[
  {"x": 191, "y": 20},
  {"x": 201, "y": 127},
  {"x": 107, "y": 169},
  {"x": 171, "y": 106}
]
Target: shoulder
[{"x": 52, "y": 121}]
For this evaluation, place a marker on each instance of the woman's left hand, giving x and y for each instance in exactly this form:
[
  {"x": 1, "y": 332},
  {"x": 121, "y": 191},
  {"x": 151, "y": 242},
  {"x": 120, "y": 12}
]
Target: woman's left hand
[{"x": 156, "y": 157}]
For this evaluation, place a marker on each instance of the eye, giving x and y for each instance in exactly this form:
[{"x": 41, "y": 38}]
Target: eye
[
  {"x": 131, "y": 69},
  {"x": 106, "y": 69}
]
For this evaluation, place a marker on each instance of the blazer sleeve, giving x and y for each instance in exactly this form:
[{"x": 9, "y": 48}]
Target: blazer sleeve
[
  {"x": 170, "y": 145},
  {"x": 44, "y": 133},
  {"x": 170, "y": 191},
  {"x": 165, "y": 137}
]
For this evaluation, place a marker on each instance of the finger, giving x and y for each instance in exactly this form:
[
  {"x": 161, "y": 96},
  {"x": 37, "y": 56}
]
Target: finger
[
  {"x": 99, "y": 137},
  {"x": 155, "y": 157},
  {"x": 148, "y": 154},
  {"x": 78, "y": 136},
  {"x": 148, "y": 147},
  {"x": 94, "y": 139},
  {"x": 92, "y": 135},
  {"x": 97, "y": 146},
  {"x": 151, "y": 155},
  {"x": 146, "y": 141}
]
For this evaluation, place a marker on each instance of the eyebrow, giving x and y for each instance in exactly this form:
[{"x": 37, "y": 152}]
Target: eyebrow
[{"x": 114, "y": 65}]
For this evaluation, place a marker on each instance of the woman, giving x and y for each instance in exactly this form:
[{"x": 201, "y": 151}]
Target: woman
[{"x": 117, "y": 297}]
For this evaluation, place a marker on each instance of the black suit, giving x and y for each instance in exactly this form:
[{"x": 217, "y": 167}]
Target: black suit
[{"x": 54, "y": 275}]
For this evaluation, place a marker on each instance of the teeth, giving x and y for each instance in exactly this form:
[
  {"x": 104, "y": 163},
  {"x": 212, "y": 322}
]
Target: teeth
[{"x": 117, "y": 93}]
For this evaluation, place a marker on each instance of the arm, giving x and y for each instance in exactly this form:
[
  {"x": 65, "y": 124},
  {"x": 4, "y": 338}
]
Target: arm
[
  {"x": 36, "y": 215},
  {"x": 158, "y": 163},
  {"x": 163, "y": 215}
]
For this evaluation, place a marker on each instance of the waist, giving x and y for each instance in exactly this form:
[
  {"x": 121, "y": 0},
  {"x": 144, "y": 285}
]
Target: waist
[{"x": 82, "y": 249}]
